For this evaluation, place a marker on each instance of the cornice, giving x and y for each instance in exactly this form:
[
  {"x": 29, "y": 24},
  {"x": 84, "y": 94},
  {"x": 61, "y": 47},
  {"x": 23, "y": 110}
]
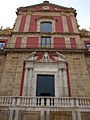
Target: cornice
[
  {"x": 27, "y": 50},
  {"x": 83, "y": 35},
  {"x": 42, "y": 33},
  {"x": 5, "y": 35}
]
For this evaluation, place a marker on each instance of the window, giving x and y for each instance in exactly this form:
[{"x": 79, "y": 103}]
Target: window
[
  {"x": 45, "y": 41},
  {"x": 2, "y": 45},
  {"x": 88, "y": 46},
  {"x": 45, "y": 85},
  {"x": 46, "y": 27}
]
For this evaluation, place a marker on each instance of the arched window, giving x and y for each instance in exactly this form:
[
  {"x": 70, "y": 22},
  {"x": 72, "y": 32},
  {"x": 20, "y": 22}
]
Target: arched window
[{"x": 46, "y": 27}]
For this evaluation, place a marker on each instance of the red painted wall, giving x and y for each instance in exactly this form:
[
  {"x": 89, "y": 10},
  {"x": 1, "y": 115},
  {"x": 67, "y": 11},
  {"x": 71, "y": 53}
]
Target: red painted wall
[
  {"x": 39, "y": 54},
  {"x": 59, "y": 24},
  {"x": 69, "y": 24},
  {"x": 33, "y": 23},
  {"x": 59, "y": 42},
  {"x": 37, "y": 8},
  {"x": 52, "y": 55},
  {"x": 18, "y": 42},
  {"x": 69, "y": 93},
  {"x": 22, "y": 24},
  {"x": 22, "y": 81},
  {"x": 73, "y": 43},
  {"x": 32, "y": 42}
]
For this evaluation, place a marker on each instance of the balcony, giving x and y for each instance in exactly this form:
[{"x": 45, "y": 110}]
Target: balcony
[
  {"x": 44, "y": 108},
  {"x": 51, "y": 103}
]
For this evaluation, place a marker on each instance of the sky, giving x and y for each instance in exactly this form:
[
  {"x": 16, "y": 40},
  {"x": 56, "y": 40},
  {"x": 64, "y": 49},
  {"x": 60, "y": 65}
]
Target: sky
[{"x": 8, "y": 10}]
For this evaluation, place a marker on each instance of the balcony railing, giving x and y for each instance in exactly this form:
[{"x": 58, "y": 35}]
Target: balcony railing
[{"x": 7, "y": 101}]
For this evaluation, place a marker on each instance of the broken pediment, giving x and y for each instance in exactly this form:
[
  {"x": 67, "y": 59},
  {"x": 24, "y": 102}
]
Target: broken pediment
[{"x": 46, "y": 57}]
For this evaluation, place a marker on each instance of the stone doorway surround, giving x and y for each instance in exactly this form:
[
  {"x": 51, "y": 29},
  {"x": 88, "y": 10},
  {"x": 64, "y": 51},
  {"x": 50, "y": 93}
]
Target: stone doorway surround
[{"x": 45, "y": 65}]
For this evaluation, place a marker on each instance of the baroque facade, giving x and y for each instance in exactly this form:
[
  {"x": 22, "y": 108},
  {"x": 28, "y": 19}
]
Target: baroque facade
[{"x": 45, "y": 66}]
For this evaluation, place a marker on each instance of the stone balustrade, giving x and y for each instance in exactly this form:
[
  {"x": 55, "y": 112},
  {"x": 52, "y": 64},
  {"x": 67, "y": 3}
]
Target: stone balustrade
[{"x": 44, "y": 102}]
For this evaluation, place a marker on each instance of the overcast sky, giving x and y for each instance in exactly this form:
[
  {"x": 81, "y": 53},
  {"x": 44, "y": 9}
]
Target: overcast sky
[{"x": 8, "y": 10}]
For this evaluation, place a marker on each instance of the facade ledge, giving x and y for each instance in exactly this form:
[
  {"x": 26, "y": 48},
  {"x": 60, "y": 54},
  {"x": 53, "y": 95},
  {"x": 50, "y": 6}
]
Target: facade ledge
[
  {"x": 42, "y": 33},
  {"x": 44, "y": 49}
]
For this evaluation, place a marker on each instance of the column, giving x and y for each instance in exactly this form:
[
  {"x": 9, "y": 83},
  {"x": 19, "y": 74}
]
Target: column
[
  {"x": 30, "y": 74},
  {"x": 79, "y": 115},
  {"x": 16, "y": 114},
  {"x": 47, "y": 115},
  {"x": 11, "y": 110},
  {"x": 42, "y": 115},
  {"x": 65, "y": 82},
  {"x": 11, "y": 115},
  {"x": 73, "y": 115},
  {"x": 25, "y": 82},
  {"x": 60, "y": 83}
]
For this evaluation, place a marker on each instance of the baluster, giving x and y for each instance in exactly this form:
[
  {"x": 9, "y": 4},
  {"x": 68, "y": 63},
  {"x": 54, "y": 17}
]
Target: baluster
[
  {"x": 55, "y": 102},
  {"x": 10, "y": 101},
  {"x": 89, "y": 101},
  {"x": 22, "y": 101},
  {"x": 72, "y": 102},
  {"x": 85, "y": 102},
  {"x": 52, "y": 101},
  {"x": 30, "y": 101},
  {"x": 77, "y": 102},
  {"x": 68, "y": 101},
  {"x": 80, "y": 101},
  {"x": 47, "y": 101},
  {"x": 63, "y": 103},
  {"x": 13, "y": 101},
  {"x": 25, "y": 102},
  {"x": 42, "y": 101},
  {"x": 60, "y": 102},
  {"x": 18, "y": 101},
  {"x": 1, "y": 101},
  {"x": 65, "y": 99},
  {"x": 39, "y": 101},
  {"x": 35, "y": 101},
  {"x": 5, "y": 101}
]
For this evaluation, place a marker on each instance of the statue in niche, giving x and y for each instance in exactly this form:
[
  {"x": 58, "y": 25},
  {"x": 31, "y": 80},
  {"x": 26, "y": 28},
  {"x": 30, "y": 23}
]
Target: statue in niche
[{"x": 46, "y": 56}]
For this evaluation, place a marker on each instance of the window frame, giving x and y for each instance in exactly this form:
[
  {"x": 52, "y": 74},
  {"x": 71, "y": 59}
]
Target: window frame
[
  {"x": 45, "y": 44},
  {"x": 88, "y": 47},
  {"x": 3, "y": 41},
  {"x": 86, "y": 43}
]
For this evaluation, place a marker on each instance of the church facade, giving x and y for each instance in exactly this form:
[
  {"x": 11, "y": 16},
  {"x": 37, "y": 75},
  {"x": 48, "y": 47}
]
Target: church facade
[{"x": 45, "y": 66}]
